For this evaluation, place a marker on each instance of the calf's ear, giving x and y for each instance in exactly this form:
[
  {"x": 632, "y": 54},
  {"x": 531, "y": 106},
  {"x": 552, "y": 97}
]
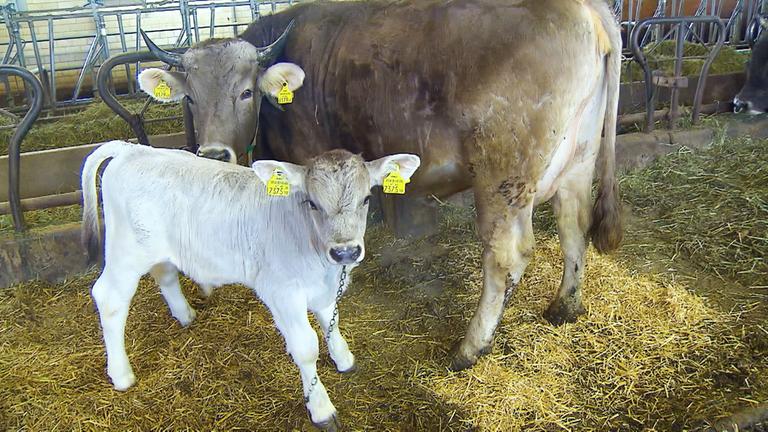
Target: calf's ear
[
  {"x": 380, "y": 168},
  {"x": 279, "y": 74},
  {"x": 295, "y": 174},
  {"x": 161, "y": 85}
]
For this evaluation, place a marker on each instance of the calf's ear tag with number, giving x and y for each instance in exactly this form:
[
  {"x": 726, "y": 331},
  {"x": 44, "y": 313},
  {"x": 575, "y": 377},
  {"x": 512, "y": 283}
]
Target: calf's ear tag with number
[
  {"x": 394, "y": 183},
  {"x": 285, "y": 95},
  {"x": 278, "y": 185},
  {"x": 162, "y": 90}
]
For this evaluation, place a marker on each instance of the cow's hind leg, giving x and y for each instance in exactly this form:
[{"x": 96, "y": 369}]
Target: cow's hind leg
[
  {"x": 507, "y": 233},
  {"x": 167, "y": 276},
  {"x": 337, "y": 346},
  {"x": 571, "y": 204},
  {"x": 112, "y": 294},
  {"x": 290, "y": 315}
]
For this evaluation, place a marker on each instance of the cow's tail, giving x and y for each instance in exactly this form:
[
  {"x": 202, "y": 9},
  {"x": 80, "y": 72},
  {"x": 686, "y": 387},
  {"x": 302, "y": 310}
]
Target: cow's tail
[
  {"x": 91, "y": 231},
  {"x": 606, "y": 229}
]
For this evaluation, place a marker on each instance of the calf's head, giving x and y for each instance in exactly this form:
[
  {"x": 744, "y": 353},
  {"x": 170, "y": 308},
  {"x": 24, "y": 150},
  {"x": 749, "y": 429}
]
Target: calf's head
[
  {"x": 753, "y": 97},
  {"x": 335, "y": 189},
  {"x": 223, "y": 81}
]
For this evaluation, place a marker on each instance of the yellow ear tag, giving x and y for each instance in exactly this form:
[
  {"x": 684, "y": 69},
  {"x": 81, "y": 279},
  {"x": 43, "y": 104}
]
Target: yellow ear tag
[
  {"x": 285, "y": 95},
  {"x": 162, "y": 91},
  {"x": 394, "y": 183},
  {"x": 278, "y": 184}
]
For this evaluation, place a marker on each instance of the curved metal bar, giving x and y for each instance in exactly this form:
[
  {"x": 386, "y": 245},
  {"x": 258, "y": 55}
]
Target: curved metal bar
[
  {"x": 14, "y": 146},
  {"x": 705, "y": 71},
  {"x": 754, "y": 29},
  {"x": 682, "y": 22},
  {"x": 135, "y": 121}
]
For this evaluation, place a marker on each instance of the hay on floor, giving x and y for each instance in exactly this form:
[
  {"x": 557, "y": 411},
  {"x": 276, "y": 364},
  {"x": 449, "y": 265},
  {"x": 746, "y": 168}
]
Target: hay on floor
[{"x": 648, "y": 355}]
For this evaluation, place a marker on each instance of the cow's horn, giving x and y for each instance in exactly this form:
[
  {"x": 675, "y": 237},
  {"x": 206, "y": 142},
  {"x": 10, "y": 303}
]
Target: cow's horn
[
  {"x": 268, "y": 54},
  {"x": 166, "y": 57}
]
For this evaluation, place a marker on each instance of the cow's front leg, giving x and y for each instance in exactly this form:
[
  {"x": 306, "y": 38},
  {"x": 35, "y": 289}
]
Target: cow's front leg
[
  {"x": 337, "y": 346},
  {"x": 507, "y": 232},
  {"x": 301, "y": 343}
]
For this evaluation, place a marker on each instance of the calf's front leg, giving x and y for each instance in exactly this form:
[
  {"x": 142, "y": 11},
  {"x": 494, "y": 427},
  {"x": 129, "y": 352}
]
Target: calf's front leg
[
  {"x": 290, "y": 317},
  {"x": 337, "y": 346}
]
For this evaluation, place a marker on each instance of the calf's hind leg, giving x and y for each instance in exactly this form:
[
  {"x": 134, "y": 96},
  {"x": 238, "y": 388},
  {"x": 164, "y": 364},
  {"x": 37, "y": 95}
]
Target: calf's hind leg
[
  {"x": 112, "y": 294},
  {"x": 507, "y": 234},
  {"x": 167, "y": 276}
]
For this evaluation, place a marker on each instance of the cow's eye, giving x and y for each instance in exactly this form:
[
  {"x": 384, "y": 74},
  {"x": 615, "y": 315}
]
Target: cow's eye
[
  {"x": 367, "y": 200},
  {"x": 247, "y": 94},
  {"x": 189, "y": 100},
  {"x": 311, "y": 204}
]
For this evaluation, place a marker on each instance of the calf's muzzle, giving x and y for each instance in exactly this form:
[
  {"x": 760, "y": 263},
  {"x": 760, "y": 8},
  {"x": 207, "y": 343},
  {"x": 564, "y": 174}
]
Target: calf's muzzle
[{"x": 346, "y": 254}]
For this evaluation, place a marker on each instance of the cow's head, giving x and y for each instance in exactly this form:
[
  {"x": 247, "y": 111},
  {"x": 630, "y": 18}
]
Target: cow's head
[
  {"x": 753, "y": 97},
  {"x": 224, "y": 81},
  {"x": 335, "y": 187}
]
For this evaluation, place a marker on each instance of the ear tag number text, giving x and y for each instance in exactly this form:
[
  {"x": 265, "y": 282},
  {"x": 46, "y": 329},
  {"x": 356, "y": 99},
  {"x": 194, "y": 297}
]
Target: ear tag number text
[
  {"x": 394, "y": 183},
  {"x": 285, "y": 95},
  {"x": 278, "y": 185},
  {"x": 162, "y": 91}
]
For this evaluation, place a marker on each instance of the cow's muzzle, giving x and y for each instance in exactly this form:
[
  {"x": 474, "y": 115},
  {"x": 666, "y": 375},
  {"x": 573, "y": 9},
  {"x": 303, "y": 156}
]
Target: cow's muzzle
[
  {"x": 217, "y": 153},
  {"x": 346, "y": 254}
]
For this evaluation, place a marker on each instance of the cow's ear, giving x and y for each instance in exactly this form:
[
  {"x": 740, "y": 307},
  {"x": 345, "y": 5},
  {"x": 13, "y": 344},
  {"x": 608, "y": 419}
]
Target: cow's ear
[
  {"x": 295, "y": 174},
  {"x": 279, "y": 74},
  {"x": 163, "y": 86},
  {"x": 380, "y": 168}
]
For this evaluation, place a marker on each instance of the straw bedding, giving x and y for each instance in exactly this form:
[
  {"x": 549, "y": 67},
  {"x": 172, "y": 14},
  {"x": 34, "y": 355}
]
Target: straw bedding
[
  {"x": 674, "y": 337},
  {"x": 648, "y": 355}
]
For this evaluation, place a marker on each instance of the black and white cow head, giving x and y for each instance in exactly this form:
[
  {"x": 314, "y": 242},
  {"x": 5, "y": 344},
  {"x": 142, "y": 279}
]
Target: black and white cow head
[
  {"x": 224, "y": 81},
  {"x": 753, "y": 97},
  {"x": 336, "y": 188}
]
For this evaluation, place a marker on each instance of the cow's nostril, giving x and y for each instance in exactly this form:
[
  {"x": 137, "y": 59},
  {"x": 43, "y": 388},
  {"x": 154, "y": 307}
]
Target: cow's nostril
[{"x": 346, "y": 255}]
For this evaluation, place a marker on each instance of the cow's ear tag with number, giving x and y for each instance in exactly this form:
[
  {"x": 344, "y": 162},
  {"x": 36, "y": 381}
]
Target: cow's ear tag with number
[
  {"x": 162, "y": 91},
  {"x": 285, "y": 95},
  {"x": 278, "y": 185},
  {"x": 394, "y": 183}
]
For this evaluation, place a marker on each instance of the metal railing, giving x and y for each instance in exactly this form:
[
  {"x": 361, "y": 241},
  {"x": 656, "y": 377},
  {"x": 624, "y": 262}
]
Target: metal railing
[
  {"x": 107, "y": 39},
  {"x": 631, "y": 12},
  {"x": 682, "y": 30},
  {"x": 14, "y": 146}
]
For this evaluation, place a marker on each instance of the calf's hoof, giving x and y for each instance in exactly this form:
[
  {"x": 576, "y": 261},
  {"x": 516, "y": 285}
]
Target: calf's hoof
[
  {"x": 350, "y": 370},
  {"x": 330, "y": 425},
  {"x": 124, "y": 382},
  {"x": 559, "y": 313},
  {"x": 186, "y": 321}
]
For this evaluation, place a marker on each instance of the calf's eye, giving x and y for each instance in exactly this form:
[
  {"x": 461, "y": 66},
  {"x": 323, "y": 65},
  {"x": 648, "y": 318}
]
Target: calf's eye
[
  {"x": 311, "y": 204},
  {"x": 367, "y": 200},
  {"x": 189, "y": 99},
  {"x": 247, "y": 94}
]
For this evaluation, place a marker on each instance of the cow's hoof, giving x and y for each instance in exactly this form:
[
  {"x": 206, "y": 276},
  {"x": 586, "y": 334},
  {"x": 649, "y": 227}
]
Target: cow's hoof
[
  {"x": 462, "y": 359},
  {"x": 330, "y": 425},
  {"x": 559, "y": 313},
  {"x": 350, "y": 370}
]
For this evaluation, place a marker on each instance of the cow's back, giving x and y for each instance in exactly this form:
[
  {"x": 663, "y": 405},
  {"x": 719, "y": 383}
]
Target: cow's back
[{"x": 426, "y": 76}]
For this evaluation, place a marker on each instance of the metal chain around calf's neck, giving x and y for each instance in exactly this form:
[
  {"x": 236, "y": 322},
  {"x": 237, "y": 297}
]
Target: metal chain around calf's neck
[{"x": 331, "y": 325}]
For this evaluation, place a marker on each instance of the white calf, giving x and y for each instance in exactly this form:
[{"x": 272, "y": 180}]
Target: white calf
[{"x": 167, "y": 211}]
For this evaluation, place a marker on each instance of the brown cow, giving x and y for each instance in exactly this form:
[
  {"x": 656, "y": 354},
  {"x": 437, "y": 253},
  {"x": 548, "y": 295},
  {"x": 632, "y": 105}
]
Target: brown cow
[{"x": 508, "y": 97}]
